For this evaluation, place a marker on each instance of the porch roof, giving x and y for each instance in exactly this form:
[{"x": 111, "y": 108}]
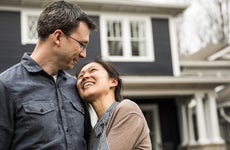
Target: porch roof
[{"x": 170, "y": 86}]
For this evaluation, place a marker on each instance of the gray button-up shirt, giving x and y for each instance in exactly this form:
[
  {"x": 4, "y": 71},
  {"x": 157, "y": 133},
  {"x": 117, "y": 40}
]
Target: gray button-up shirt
[{"x": 37, "y": 113}]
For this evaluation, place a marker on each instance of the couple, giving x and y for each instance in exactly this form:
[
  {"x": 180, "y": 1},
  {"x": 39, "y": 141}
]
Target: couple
[{"x": 40, "y": 105}]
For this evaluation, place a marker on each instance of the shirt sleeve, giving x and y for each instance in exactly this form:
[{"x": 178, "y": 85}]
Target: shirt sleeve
[
  {"x": 6, "y": 118},
  {"x": 128, "y": 130}
]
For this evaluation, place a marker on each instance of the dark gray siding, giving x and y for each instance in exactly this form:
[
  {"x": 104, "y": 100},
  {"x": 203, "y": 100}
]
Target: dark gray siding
[{"x": 11, "y": 49}]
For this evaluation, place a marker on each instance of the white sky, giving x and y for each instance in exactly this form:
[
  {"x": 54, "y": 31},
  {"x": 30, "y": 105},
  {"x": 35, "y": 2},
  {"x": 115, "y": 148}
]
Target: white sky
[{"x": 166, "y": 1}]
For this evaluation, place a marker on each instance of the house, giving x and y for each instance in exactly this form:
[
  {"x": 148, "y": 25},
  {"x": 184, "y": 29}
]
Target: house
[
  {"x": 213, "y": 62},
  {"x": 139, "y": 38}
]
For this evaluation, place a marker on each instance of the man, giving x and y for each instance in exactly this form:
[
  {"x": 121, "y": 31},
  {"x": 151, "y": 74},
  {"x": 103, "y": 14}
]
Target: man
[{"x": 40, "y": 108}]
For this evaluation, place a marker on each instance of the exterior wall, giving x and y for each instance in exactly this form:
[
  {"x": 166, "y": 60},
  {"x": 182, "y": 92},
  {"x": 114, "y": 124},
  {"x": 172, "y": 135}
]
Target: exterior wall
[{"x": 10, "y": 40}]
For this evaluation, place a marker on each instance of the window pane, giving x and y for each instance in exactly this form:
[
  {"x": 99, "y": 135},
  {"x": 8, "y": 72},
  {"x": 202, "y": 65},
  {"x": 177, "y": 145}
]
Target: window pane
[
  {"x": 138, "y": 48},
  {"x": 138, "y": 38},
  {"x": 115, "y": 48},
  {"x": 32, "y": 22},
  {"x": 114, "y": 29},
  {"x": 114, "y": 36}
]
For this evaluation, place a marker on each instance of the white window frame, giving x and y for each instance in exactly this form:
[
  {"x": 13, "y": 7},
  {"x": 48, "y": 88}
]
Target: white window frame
[
  {"x": 156, "y": 119},
  {"x": 25, "y": 28},
  {"x": 125, "y": 20}
]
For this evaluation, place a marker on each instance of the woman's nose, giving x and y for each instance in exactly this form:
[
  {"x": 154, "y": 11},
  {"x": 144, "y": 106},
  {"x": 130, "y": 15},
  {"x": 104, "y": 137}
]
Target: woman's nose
[{"x": 85, "y": 76}]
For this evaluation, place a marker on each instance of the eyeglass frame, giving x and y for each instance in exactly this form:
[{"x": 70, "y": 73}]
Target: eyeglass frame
[{"x": 82, "y": 45}]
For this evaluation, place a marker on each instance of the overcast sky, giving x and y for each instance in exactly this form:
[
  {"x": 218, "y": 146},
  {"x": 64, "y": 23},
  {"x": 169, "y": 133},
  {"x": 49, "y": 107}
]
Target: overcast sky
[{"x": 167, "y": 1}]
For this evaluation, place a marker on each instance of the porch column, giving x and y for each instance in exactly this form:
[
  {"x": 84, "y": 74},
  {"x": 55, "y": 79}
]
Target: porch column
[
  {"x": 182, "y": 112},
  {"x": 190, "y": 126},
  {"x": 213, "y": 118},
  {"x": 201, "y": 125}
]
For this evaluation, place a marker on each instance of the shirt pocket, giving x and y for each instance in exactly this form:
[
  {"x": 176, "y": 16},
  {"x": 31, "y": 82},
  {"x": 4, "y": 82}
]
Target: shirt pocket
[
  {"x": 78, "y": 107},
  {"x": 41, "y": 108},
  {"x": 39, "y": 116}
]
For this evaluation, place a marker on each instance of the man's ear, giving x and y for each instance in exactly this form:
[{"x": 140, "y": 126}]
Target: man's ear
[{"x": 56, "y": 36}]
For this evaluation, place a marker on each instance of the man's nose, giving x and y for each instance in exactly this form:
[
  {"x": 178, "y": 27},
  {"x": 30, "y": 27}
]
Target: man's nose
[{"x": 83, "y": 53}]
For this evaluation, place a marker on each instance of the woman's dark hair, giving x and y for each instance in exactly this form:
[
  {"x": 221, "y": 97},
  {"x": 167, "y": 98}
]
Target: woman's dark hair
[{"x": 112, "y": 72}]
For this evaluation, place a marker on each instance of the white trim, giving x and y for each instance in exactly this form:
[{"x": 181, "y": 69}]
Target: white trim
[
  {"x": 156, "y": 120},
  {"x": 174, "y": 46}
]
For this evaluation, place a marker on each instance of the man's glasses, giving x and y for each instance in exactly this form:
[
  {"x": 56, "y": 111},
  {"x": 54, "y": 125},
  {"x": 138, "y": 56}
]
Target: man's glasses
[{"x": 82, "y": 45}]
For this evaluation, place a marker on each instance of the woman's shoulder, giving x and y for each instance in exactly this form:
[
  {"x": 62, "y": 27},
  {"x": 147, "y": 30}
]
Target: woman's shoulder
[
  {"x": 128, "y": 106},
  {"x": 128, "y": 102}
]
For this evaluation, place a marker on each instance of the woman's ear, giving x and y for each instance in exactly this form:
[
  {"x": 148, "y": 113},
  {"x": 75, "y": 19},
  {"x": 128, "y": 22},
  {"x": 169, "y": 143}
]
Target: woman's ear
[{"x": 114, "y": 82}]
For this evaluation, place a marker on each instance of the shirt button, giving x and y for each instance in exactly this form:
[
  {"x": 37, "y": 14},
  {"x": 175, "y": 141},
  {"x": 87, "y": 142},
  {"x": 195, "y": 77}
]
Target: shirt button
[{"x": 41, "y": 110}]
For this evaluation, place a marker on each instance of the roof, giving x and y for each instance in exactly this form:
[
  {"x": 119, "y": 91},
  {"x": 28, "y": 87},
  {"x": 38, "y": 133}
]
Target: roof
[
  {"x": 211, "y": 52},
  {"x": 136, "y": 6}
]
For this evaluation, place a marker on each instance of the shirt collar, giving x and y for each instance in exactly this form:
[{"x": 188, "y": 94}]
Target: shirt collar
[
  {"x": 29, "y": 63},
  {"x": 33, "y": 67}
]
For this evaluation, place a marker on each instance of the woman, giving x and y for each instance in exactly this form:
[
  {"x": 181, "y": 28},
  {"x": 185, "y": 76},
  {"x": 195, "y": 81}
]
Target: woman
[{"x": 121, "y": 124}]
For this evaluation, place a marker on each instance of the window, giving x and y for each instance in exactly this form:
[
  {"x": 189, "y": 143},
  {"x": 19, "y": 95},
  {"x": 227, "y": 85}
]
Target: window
[
  {"x": 126, "y": 38},
  {"x": 28, "y": 26}
]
